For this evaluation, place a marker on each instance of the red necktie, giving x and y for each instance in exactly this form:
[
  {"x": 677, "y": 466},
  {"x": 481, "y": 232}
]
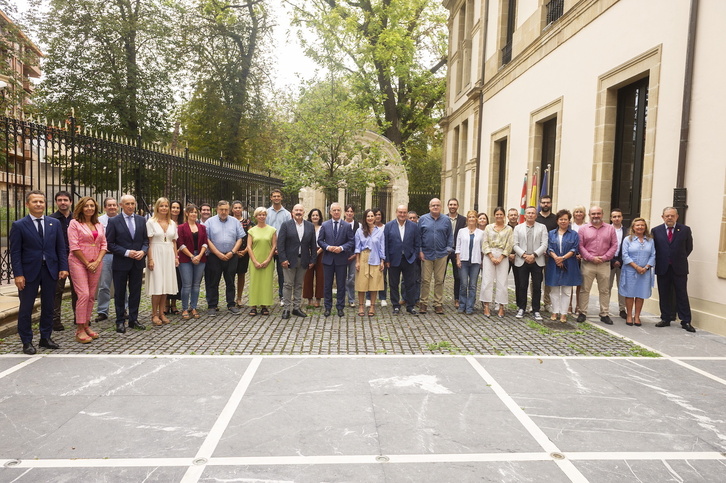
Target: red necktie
[{"x": 670, "y": 234}]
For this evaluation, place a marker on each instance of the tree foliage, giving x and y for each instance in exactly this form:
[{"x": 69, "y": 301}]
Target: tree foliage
[
  {"x": 324, "y": 147},
  {"x": 14, "y": 43},
  {"x": 112, "y": 61},
  {"x": 393, "y": 51}
]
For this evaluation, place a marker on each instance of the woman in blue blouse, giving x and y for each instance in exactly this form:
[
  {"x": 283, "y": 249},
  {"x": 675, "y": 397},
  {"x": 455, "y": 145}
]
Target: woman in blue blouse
[
  {"x": 562, "y": 272},
  {"x": 370, "y": 252},
  {"x": 636, "y": 278}
]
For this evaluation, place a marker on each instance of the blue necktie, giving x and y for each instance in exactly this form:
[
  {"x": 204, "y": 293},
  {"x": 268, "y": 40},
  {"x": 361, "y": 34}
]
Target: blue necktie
[
  {"x": 335, "y": 229},
  {"x": 130, "y": 223},
  {"x": 40, "y": 227}
]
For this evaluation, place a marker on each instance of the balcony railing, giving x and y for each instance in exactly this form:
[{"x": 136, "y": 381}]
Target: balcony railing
[
  {"x": 555, "y": 9},
  {"x": 507, "y": 54}
]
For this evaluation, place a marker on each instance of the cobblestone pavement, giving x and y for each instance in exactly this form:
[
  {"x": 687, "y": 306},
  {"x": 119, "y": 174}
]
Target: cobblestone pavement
[{"x": 385, "y": 333}]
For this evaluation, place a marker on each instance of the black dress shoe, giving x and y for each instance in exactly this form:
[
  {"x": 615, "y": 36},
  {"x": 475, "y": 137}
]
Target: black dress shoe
[
  {"x": 285, "y": 314},
  {"x": 120, "y": 328},
  {"x": 412, "y": 311},
  {"x": 581, "y": 318},
  {"x": 299, "y": 313},
  {"x": 48, "y": 343},
  {"x": 326, "y": 313},
  {"x": 688, "y": 327},
  {"x": 663, "y": 323},
  {"x": 606, "y": 320},
  {"x": 58, "y": 327},
  {"x": 341, "y": 313},
  {"x": 136, "y": 325},
  {"x": 623, "y": 314},
  {"x": 101, "y": 317},
  {"x": 29, "y": 349},
  {"x": 396, "y": 310}
]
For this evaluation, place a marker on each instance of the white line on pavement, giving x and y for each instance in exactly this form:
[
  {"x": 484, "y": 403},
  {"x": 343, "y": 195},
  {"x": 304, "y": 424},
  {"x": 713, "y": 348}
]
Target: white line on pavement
[{"x": 17, "y": 367}]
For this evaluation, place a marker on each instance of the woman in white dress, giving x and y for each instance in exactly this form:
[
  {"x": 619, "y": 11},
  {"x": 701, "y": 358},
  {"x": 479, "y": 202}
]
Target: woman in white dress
[{"x": 162, "y": 260}]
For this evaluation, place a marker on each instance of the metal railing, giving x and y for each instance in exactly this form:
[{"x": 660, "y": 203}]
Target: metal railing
[
  {"x": 555, "y": 9},
  {"x": 59, "y": 157}
]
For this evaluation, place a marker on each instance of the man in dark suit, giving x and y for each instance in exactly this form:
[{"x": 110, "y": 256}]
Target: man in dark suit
[
  {"x": 128, "y": 241},
  {"x": 457, "y": 223},
  {"x": 616, "y": 264},
  {"x": 337, "y": 241},
  {"x": 673, "y": 244},
  {"x": 297, "y": 250},
  {"x": 39, "y": 259},
  {"x": 64, "y": 215},
  {"x": 402, "y": 238}
]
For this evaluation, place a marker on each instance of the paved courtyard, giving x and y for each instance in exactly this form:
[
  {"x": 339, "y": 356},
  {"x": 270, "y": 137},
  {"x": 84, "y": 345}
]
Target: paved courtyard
[{"x": 392, "y": 398}]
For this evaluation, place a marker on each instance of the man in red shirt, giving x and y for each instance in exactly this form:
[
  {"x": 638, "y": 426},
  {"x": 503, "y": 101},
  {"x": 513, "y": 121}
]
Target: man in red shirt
[{"x": 598, "y": 244}]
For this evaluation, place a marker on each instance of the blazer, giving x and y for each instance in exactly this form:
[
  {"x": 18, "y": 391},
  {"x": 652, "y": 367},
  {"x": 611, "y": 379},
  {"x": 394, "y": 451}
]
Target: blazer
[
  {"x": 460, "y": 223},
  {"x": 289, "y": 244},
  {"x": 345, "y": 239},
  {"x": 185, "y": 238},
  {"x": 520, "y": 243},
  {"x": 119, "y": 241},
  {"x": 397, "y": 250},
  {"x": 676, "y": 252},
  {"x": 81, "y": 238},
  {"x": 618, "y": 257},
  {"x": 27, "y": 249}
]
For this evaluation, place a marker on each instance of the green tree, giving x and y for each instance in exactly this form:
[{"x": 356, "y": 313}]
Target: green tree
[
  {"x": 393, "y": 51},
  {"x": 324, "y": 147},
  {"x": 112, "y": 61}
]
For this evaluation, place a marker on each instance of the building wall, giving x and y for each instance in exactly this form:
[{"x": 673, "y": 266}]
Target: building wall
[{"x": 572, "y": 69}]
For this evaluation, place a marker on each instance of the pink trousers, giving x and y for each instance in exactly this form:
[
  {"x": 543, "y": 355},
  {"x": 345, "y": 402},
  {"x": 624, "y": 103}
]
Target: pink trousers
[{"x": 85, "y": 284}]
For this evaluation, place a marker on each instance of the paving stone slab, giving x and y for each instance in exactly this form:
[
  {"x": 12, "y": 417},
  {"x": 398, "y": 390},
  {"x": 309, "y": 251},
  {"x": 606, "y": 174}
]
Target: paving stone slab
[
  {"x": 652, "y": 471},
  {"x": 75, "y": 475}
]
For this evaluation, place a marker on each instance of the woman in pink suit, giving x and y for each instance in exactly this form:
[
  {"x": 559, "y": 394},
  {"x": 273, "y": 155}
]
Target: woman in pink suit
[{"x": 87, "y": 245}]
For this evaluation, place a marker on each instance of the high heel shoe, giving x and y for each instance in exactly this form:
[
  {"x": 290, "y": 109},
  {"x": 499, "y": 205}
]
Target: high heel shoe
[
  {"x": 361, "y": 312},
  {"x": 89, "y": 332}
]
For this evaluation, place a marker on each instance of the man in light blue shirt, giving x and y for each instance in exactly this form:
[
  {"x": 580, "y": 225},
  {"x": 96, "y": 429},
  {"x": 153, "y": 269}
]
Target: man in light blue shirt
[
  {"x": 437, "y": 240},
  {"x": 224, "y": 237},
  {"x": 276, "y": 216}
]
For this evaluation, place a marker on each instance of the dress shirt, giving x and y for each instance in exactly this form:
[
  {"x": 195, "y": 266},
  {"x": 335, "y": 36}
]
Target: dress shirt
[
  {"x": 103, "y": 219},
  {"x": 224, "y": 234},
  {"x": 402, "y": 229},
  {"x": 375, "y": 243},
  {"x": 437, "y": 237},
  {"x": 619, "y": 233},
  {"x": 502, "y": 240},
  {"x": 598, "y": 242},
  {"x": 276, "y": 218},
  {"x": 300, "y": 227},
  {"x": 35, "y": 222},
  {"x": 462, "y": 245}
]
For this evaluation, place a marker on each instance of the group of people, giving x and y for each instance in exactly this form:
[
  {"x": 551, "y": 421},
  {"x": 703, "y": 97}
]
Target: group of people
[{"x": 177, "y": 246}]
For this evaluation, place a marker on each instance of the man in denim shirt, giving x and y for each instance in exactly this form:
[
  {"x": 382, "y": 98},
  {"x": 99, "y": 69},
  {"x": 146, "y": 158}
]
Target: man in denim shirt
[{"x": 437, "y": 240}]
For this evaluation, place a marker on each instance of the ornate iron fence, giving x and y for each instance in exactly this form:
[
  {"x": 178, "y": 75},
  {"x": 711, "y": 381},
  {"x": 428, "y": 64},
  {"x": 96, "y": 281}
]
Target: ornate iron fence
[{"x": 59, "y": 157}]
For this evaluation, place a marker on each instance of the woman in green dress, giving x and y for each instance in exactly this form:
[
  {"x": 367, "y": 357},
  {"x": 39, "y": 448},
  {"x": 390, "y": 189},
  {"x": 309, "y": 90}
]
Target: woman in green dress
[{"x": 261, "y": 245}]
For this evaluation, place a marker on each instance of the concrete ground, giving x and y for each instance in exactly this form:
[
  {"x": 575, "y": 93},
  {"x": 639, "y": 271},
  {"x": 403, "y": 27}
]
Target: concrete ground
[{"x": 453, "y": 398}]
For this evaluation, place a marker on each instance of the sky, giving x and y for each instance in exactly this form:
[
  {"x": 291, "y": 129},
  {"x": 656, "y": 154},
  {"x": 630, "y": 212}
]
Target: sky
[{"x": 290, "y": 61}]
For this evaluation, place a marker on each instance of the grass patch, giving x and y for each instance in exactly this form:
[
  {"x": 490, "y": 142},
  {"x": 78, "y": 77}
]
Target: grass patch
[{"x": 539, "y": 328}]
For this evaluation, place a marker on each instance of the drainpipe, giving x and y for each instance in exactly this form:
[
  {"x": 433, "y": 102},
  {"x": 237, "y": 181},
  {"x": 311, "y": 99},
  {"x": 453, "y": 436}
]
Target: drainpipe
[
  {"x": 679, "y": 192},
  {"x": 485, "y": 32}
]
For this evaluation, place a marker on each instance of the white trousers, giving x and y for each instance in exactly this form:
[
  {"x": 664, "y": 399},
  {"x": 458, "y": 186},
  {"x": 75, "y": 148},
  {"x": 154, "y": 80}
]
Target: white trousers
[{"x": 494, "y": 277}]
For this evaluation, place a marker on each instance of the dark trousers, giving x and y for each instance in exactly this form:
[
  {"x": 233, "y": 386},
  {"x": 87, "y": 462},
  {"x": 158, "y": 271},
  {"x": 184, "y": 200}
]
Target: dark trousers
[
  {"x": 280, "y": 276},
  {"x": 133, "y": 278},
  {"x": 526, "y": 271},
  {"x": 408, "y": 271},
  {"x": 46, "y": 283},
  {"x": 213, "y": 272},
  {"x": 457, "y": 277},
  {"x": 673, "y": 294},
  {"x": 60, "y": 287},
  {"x": 340, "y": 272},
  {"x": 417, "y": 280}
]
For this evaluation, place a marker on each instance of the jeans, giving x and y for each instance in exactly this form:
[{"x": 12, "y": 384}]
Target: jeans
[
  {"x": 191, "y": 276},
  {"x": 350, "y": 281},
  {"x": 469, "y": 275}
]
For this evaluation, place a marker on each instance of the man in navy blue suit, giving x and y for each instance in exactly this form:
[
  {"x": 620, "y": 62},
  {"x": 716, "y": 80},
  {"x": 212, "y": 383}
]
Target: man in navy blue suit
[
  {"x": 128, "y": 241},
  {"x": 39, "y": 259},
  {"x": 673, "y": 244},
  {"x": 402, "y": 238},
  {"x": 337, "y": 241}
]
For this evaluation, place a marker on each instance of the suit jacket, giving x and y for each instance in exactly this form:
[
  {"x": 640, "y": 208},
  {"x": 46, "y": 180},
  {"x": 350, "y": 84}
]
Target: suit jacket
[
  {"x": 345, "y": 239},
  {"x": 619, "y": 254},
  {"x": 27, "y": 249},
  {"x": 396, "y": 249},
  {"x": 676, "y": 252},
  {"x": 289, "y": 245},
  {"x": 460, "y": 223},
  {"x": 119, "y": 241},
  {"x": 520, "y": 243}
]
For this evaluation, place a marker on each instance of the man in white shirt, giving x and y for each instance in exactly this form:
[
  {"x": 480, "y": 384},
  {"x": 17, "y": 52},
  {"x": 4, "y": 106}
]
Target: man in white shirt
[
  {"x": 616, "y": 219},
  {"x": 110, "y": 208}
]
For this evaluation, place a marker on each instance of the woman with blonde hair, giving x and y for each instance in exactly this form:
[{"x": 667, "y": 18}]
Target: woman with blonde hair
[
  {"x": 636, "y": 277},
  {"x": 162, "y": 259},
  {"x": 261, "y": 245},
  {"x": 87, "y": 245},
  {"x": 468, "y": 261}
]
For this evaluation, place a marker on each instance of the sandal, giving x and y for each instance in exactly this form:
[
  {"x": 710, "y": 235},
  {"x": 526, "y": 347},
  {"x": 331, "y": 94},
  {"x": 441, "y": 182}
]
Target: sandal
[
  {"x": 164, "y": 320},
  {"x": 563, "y": 318},
  {"x": 264, "y": 311},
  {"x": 156, "y": 320},
  {"x": 553, "y": 316},
  {"x": 371, "y": 312},
  {"x": 195, "y": 314},
  {"x": 253, "y": 312},
  {"x": 174, "y": 311},
  {"x": 361, "y": 312},
  {"x": 185, "y": 315}
]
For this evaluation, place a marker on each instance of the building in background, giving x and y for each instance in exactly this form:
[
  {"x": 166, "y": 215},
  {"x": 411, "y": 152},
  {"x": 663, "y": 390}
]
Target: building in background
[
  {"x": 622, "y": 99},
  {"x": 19, "y": 62}
]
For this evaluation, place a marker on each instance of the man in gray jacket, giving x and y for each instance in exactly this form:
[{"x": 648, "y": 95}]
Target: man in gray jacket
[{"x": 530, "y": 245}]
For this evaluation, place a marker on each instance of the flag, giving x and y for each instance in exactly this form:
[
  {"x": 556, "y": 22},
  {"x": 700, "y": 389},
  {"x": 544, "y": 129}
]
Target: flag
[
  {"x": 545, "y": 186},
  {"x": 523, "y": 201},
  {"x": 533, "y": 195}
]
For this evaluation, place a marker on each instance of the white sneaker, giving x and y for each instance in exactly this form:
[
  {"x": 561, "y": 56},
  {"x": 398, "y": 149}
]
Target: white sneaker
[
  {"x": 537, "y": 316},
  {"x": 384, "y": 303},
  {"x": 368, "y": 303},
  {"x": 282, "y": 304},
  {"x": 520, "y": 314}
]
